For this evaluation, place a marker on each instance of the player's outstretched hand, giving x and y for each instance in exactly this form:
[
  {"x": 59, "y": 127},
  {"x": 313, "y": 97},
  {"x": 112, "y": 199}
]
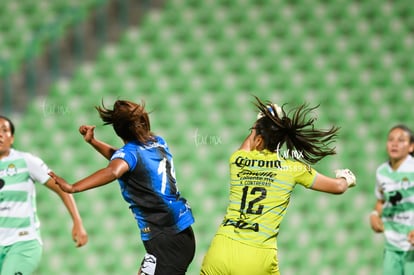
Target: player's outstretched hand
[
  {"x": 87, "y": 131},
  {"x": 347, "y": 175},
  {"x": 66, "y": 187}
]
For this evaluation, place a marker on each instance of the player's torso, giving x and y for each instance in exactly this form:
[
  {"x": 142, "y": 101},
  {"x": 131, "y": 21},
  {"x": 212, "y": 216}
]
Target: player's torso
[
  {"x": 154, "y": 172},
  {"x": 18, "y": 219},
  {"x": 260, "y": 189},
  {"x": 397, "y": 188},
  {"x": 150, "y": 189}
]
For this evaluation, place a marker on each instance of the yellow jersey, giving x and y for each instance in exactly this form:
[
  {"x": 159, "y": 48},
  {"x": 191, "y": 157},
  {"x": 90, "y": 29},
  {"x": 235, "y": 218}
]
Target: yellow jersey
[{"x": 260, "y": 189}]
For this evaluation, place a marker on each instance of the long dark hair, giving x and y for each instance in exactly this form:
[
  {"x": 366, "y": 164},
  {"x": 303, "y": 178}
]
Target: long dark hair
[
  {"x": 295, "y": 130},
  {"x": 407, "y": 130},
  {"x": 129, "y": 120}
]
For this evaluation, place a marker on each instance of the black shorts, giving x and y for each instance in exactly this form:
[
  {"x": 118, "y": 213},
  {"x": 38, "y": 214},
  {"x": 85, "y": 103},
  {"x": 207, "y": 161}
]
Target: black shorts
[{"x": 172, "y": 253}]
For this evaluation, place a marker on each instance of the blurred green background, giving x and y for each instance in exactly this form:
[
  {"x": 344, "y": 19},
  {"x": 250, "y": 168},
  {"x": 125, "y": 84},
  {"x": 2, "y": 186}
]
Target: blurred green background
[{"x": 197, "y": 65}]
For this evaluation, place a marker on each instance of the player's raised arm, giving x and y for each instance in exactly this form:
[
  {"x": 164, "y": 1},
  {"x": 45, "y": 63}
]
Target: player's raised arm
[
  {"x": 247, "y": 144},
  {"x": 103, "y": 148}
]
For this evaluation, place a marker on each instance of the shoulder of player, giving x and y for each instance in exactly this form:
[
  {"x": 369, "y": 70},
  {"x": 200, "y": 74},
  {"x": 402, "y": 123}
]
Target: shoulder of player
[
  {"x": 382, "y": 166},
  {"x": 22, "y": 154},
  {"x": 410, "y": 160},
  {"x": 408, "y": 164},
  {"x": 297, "y": 166},
  {"x": 160, "y": 139}
]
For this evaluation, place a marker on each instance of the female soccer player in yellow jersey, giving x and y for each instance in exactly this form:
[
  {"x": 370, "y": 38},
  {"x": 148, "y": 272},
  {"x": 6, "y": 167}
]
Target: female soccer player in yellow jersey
[{"x": 262, "y": 178}]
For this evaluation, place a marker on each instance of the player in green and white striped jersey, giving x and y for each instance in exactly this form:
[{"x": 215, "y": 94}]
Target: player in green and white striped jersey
[
  {"x": 20, "y": 242},
  {"x": 394, "y": 209}
]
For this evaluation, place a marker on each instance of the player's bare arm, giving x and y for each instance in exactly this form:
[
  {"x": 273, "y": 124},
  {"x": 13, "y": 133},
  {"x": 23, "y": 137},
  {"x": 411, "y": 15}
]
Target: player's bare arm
[
  {"x": 249, "y": 141},
  {"x": 115, "y": 169},
  {"x": 79, "y": 234},
  {"x": 106, "y": 150},
  {"x": 375, "y": 217},
  {"x": 330, "y": 185}
]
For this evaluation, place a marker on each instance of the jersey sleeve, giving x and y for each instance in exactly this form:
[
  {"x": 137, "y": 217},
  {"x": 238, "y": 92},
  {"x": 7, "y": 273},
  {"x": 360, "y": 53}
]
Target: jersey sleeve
[
  {"x": 305, "y": 175},
  {"x": 127, "y": 156},
  {"x": 38, "y": 170}
]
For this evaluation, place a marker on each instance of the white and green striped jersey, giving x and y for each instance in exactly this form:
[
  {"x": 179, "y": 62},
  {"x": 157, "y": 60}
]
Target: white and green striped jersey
[
  {"x": 396, "y": 189},
  {"x": 18, "y": 218}
]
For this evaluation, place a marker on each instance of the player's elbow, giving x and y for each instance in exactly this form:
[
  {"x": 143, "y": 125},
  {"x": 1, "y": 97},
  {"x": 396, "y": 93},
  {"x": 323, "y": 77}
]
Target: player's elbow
[
  {"x": 113, "y": 174},
  {"x": 339, "y": 191},
  {"x": 340, "y": 187},
  {"x": 330, "y": 185}
]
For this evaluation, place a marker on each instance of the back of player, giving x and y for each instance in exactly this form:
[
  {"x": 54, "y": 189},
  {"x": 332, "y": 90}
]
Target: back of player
[
  {"x": 260, "y": 189},
  {"x": 261, "y": 184},
  {"x": 145, "y": 171},
  {"x": 152, "y": 176},
  {"x": 163, "y": 216}
]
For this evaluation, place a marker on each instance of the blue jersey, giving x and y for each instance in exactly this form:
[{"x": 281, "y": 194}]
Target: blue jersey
[{"x": 149, "y": 187}]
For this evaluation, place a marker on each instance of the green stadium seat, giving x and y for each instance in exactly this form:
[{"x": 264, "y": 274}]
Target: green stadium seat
[{"x": 197, "y": 65}]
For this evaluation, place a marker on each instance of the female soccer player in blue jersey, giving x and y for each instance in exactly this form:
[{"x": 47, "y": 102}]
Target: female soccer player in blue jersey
[
  {"x": 262, "y": 178},
  {"x": 145, "y": 171},
  {"x": 394, "y": 211},
  {"x": 20, "y": 240}
]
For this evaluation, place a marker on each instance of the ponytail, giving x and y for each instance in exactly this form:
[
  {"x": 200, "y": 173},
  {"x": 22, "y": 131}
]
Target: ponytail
[
  {"x": 294, "y": 130},
  {"x": 129, "y": 120}
]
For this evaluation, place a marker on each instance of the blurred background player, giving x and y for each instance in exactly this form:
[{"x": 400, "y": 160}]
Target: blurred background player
[
  {"x": 145, "y": 171},
  {"x": 20, "y": 241},
  {"x": 261, "y": 182},
  {"x": 394, "y": 209}
]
